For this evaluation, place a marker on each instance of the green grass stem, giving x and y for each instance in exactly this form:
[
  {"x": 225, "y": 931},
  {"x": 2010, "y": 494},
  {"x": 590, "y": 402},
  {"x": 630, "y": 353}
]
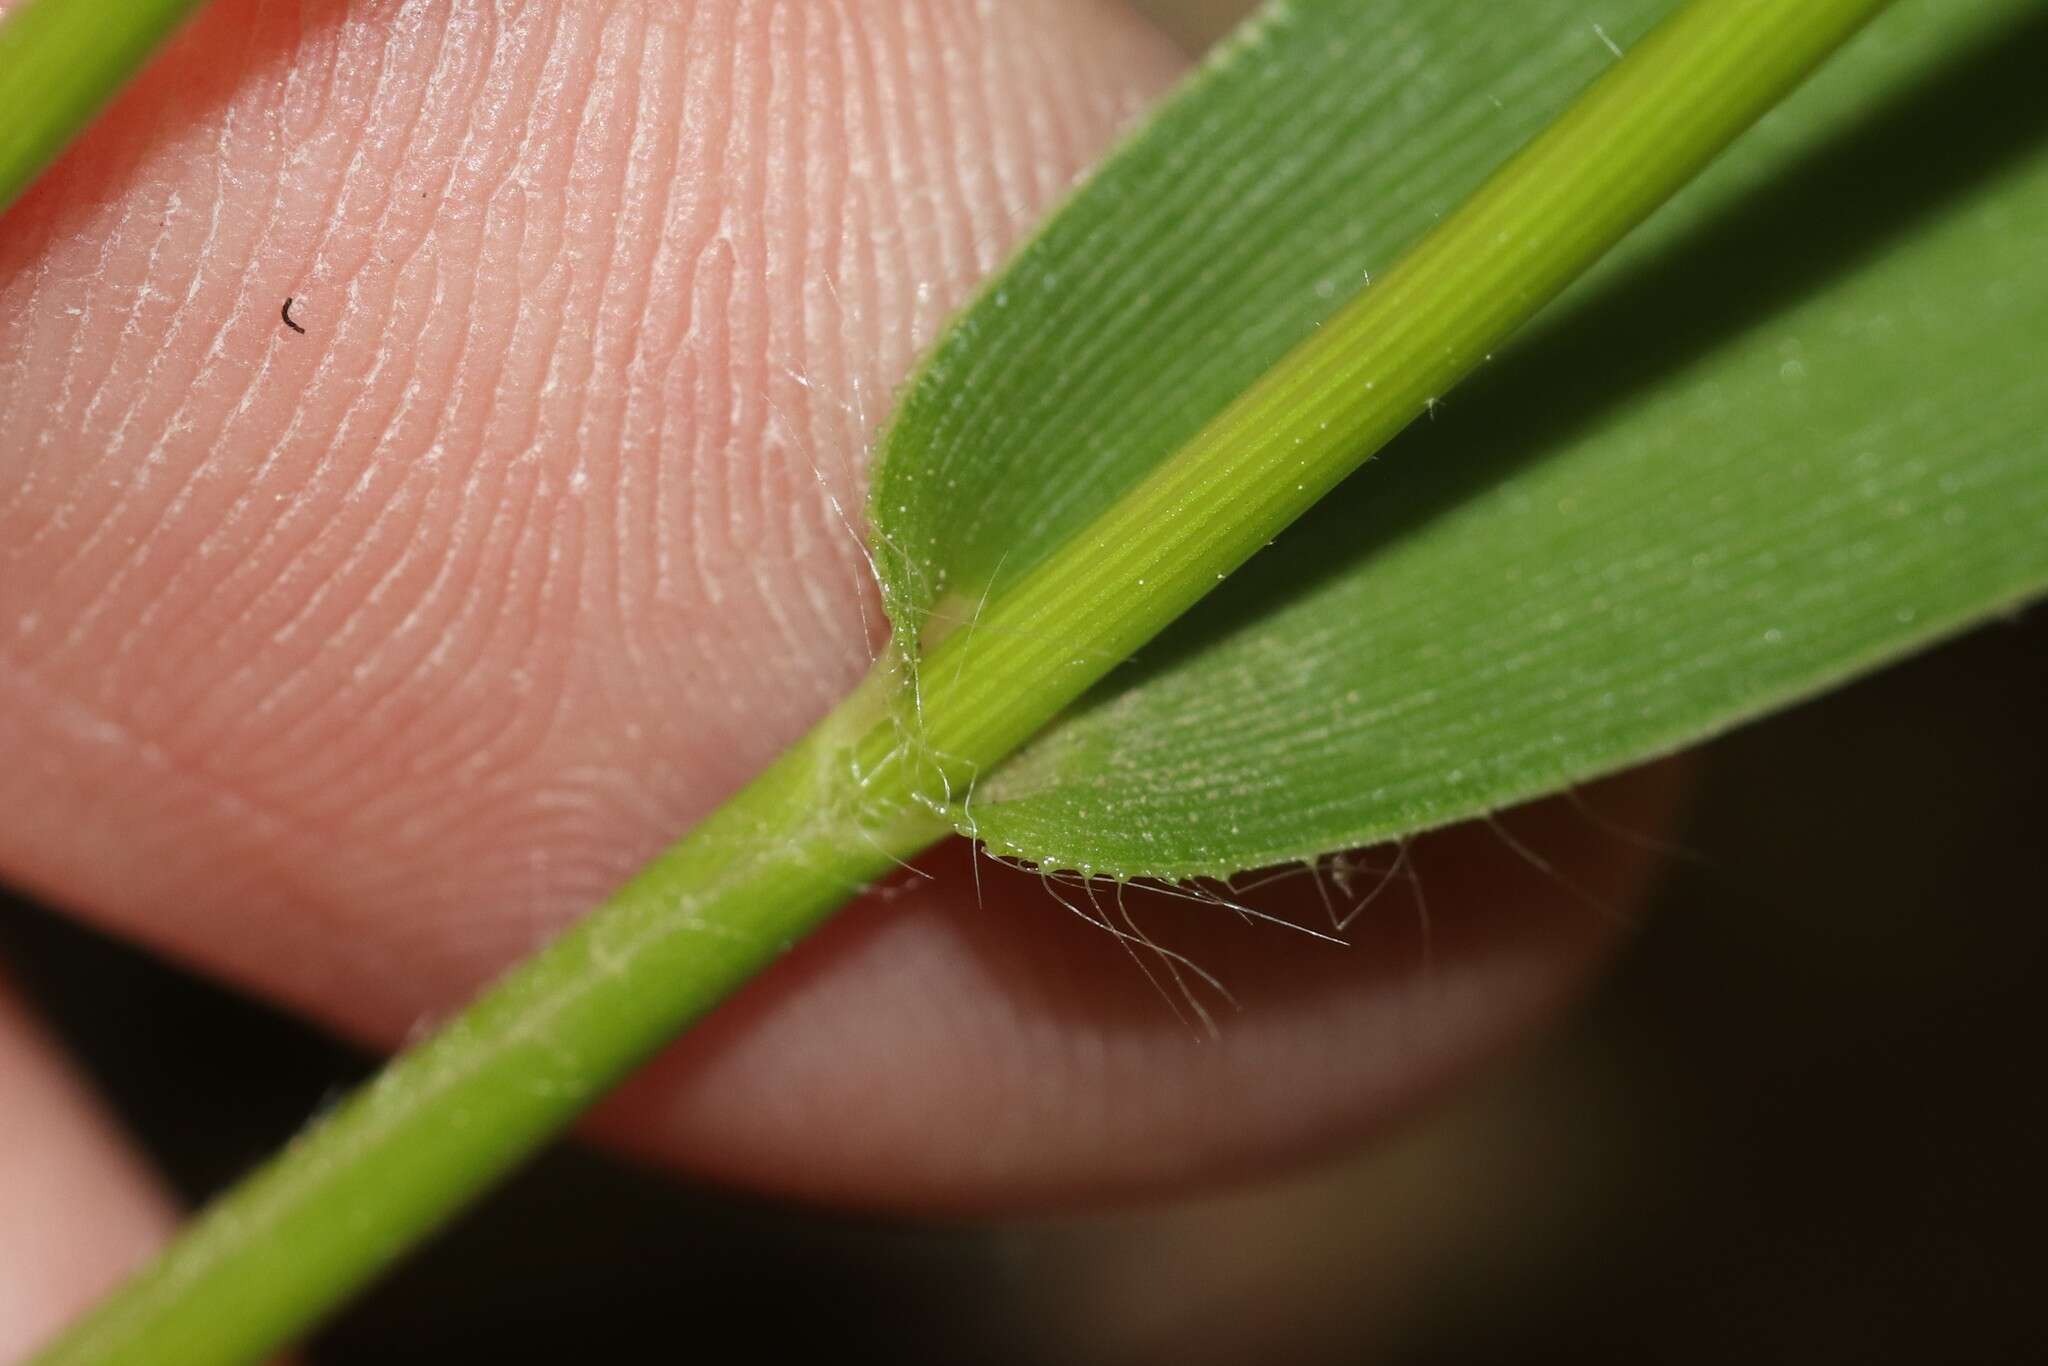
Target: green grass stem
[
  {"x": 61, "y": 61},
  {"x": 873, "y": 783}
]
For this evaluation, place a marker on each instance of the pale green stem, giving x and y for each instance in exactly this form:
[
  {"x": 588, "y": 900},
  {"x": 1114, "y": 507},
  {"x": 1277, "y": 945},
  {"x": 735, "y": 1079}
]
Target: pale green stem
[
  {"x": 448, "y": 1118},
  {"x": 60, "y": 62},
  {"x": 1623, "y": 148},
  {"x": 873, "y": 783}
]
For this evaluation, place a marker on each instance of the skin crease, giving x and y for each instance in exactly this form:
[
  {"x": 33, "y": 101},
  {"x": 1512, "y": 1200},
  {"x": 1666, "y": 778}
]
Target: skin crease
[{"x": 348, "y": 666}]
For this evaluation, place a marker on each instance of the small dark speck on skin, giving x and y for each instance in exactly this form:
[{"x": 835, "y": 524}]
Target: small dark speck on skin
[{"x": 286, "y": 312}]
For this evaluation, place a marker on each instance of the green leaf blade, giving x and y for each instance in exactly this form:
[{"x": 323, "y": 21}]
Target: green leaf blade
[
  {"x": 1816, "y": 457},
  {"x": 1313, "y": 150}
]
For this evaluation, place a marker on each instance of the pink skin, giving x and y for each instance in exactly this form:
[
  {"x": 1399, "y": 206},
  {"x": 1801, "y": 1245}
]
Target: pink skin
[
  {"x": 76, "y": 1208},
  {"x": 350, "y": 665}
]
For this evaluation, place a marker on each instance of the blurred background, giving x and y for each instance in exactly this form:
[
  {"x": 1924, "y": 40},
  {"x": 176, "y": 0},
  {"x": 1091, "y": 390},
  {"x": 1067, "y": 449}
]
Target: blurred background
[{"x": 1801, "y": 1121}]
